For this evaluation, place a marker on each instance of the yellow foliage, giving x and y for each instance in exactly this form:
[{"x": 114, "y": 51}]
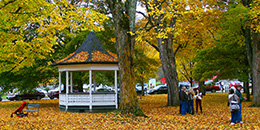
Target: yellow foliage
[
  {"x": 49, "y": 24},
  {"x": 215, "y": 115}
]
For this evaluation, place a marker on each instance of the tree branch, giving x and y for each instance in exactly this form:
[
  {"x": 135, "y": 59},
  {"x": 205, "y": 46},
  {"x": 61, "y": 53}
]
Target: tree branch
[
  {"x": 139, "y": 12},
  {"x": 7, "y": 4},
  {"x": 13, "y": 68}
]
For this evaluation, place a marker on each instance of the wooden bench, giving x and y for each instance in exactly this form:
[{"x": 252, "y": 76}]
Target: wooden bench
[{"x": 32, "y": 108}]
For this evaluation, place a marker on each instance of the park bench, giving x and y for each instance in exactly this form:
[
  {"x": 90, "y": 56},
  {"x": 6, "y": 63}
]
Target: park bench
[{"x": 31, "y": 108}]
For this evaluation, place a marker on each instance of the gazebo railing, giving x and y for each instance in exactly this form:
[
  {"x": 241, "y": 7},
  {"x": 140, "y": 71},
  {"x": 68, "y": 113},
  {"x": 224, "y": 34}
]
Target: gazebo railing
[{"x": 83, "y": 99}]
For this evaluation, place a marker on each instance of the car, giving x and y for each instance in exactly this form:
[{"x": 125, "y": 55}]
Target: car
[
  {"x": 55, "y": 93},
  {"x": 41, "y": 90},
  {"x": 235, "y": 83},
  {"x": 34, "y": 94},
  {"x": 104, "y": 90},
  {"x": 139, "y": 89},
  {"x": 210, "y": 86},
  {"x": 160, "y": 89}
]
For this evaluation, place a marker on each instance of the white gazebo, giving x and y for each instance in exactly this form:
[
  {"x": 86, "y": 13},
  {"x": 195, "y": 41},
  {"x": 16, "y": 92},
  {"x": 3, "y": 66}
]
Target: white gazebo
[{"x": 90, "y": 56}]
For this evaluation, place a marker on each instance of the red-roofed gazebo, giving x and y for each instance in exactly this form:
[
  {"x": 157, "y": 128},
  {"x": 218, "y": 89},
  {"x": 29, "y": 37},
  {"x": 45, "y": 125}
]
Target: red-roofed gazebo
[{"x": 90, "y": 56}]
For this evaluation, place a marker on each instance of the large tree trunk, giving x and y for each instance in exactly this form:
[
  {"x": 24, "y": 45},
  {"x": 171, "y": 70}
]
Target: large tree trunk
[
  {"x": 169, "y": 69},
  {"x": 246, "y": 90},
  {"x": 253, "y": 55},
  {"x": 124, "y": 22},
  {"x": 256, "y": 69},
  {"x": 165, "y": 48}
]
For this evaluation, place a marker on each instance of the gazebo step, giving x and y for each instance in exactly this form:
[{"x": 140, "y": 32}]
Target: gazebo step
[{"x": 86, "y": 108}]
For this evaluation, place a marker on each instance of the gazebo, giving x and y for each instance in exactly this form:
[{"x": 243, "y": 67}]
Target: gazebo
[{"x": 90, "y": 56}]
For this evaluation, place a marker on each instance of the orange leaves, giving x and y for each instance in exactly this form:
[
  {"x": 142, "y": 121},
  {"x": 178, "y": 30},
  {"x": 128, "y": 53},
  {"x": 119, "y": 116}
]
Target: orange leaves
[
  {"x": 100, "y": 56},
  {"x": 83, "y": 56},
  {"x": 79, "y": 57},
  {"x": 215, "y": 116}
]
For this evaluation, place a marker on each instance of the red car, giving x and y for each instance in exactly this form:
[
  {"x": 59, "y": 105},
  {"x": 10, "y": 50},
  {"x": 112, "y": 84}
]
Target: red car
[
  {"x": 27, "y": 95},
  {"x": 235, "y": 83},
  {"x": 212, "y": 87}
]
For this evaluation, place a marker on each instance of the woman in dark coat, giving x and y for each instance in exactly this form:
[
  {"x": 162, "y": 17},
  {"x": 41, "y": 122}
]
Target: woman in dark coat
[{"x": 184, "y": 101}]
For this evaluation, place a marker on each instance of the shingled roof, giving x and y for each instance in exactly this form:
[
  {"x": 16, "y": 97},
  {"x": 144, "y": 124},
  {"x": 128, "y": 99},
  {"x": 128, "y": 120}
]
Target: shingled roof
[{"x": 91, "y": 51}]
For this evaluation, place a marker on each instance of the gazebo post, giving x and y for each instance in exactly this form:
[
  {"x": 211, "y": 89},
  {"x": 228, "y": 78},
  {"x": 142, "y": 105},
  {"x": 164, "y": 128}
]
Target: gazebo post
[
  {"x": 59, "y": 81},
  {"x": 71, "y": 87},
  {"x": 94, "y": 79},
  {"x": 67, "y": 90},
  {"x": 90, "y": 90},
  {"x": 116, "y": 88}
]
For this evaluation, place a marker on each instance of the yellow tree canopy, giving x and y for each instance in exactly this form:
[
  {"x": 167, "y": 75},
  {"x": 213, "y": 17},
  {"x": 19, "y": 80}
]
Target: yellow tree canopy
[{"x": 30, "y": 28}]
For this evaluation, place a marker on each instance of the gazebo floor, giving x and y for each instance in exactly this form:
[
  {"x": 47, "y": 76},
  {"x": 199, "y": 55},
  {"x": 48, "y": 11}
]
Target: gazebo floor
[{"x": 95, "y": 109}]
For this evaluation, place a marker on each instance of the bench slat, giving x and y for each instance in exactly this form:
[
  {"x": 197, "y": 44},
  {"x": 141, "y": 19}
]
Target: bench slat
[{"x": 33, "y": 108}]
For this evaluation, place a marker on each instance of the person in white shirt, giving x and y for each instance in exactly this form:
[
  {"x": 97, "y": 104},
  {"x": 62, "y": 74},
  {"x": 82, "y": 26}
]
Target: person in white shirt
[{"x": 198, "y": 97}]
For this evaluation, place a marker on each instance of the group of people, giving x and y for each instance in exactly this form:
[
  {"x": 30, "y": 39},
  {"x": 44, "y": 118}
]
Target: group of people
[
  {"x": 234, "y": 102},
  {"x": 187, "y": 100},
  {"x": 235, "y": 98}
]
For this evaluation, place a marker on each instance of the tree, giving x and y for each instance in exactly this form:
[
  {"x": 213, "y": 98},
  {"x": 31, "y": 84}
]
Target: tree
[
  {"x": 123, "y": 14},
  {"x": 33, "y": 33},
  {"x": 169, "y": 21},
  {"x": 253, "y": 49},
  {"x": 29, "y": 29}
]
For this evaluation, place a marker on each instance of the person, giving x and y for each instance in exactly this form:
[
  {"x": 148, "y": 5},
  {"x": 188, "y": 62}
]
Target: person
[
  {"x": 184, "y": 101},
  {"x": 233, "y": 98},
  {"x": 198, "y": 97},
  {"x": 241, "y": 98},
  {"x": 191, "y": 101},
  {"x": 19, "y": 111},
  {"x": 222, "y": 86}
]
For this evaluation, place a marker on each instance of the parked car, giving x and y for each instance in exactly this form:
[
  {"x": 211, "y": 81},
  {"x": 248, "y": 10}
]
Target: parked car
[
  {"x": 235, "y": 83},
  {"x": 55, "y": 93},
  {"x": 41, "y": 90},
  {"x": 213, "y": 87},
  {"x": 161, "y": 89},
  {"x": 104, "y": 90},
  {"x": 139, "y": 89},
  {"x": 34, "y": 94}
]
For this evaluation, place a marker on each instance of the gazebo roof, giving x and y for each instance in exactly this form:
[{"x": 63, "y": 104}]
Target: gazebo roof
[{"x": 91, "y": 51}]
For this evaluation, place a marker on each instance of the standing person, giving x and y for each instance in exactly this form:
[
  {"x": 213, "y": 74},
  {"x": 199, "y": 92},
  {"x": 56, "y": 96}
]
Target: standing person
[
  {"x": 222, "y": 86},
  {"x": 198, "y": 97},
  {"x": 191, "y": 101},
  {"x": 233, "y": 99},
  {"x": 180, "y": 97},
  {"x": 241, "y": 98},
  {"x": 184, "y": 101}
]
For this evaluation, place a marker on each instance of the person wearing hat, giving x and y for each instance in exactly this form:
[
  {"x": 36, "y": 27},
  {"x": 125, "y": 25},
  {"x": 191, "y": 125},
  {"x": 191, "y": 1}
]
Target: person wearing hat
[{"x": 241, "y": 98}]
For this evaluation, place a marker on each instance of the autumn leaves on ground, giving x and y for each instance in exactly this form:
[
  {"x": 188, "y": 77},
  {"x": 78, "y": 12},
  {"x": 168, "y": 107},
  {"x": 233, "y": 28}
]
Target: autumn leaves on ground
[{"x": 215, "y": 116}]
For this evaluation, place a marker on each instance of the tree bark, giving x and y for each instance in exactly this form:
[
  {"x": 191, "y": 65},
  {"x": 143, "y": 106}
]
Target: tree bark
[
  {"x": 246, "y": 90},
  {"x": 253, "y": 55},
  {"x": 124, "y": 21},
  {"x": 169, "y": 69},
  {"x": 256, "y": 69}
]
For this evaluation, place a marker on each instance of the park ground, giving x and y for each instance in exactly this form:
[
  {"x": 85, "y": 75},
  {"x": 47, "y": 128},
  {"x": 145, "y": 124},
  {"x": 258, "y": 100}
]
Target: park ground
[{"x": 216, "y": 115}]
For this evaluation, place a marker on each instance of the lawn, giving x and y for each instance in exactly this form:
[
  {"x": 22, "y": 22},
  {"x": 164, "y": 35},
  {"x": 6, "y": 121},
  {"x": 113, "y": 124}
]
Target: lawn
[{"x": 216, "y": 115}]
